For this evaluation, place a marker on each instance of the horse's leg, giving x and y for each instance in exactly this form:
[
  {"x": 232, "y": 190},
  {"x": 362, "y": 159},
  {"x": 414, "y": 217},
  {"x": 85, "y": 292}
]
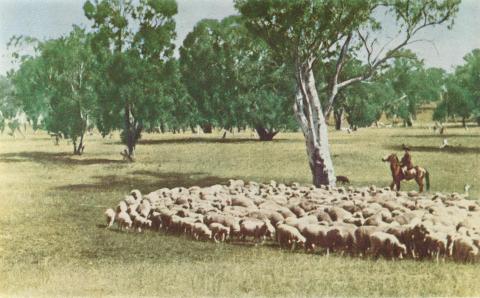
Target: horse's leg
[
  {"x": 419, "y": 180},
  {"x": 392, "y": 185},
  {"x": 420, "y": 184},
  {"x": 398, "y": 185}
]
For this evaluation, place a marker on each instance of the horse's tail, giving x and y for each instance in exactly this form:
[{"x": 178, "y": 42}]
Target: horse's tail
[{"x": 427, "y": 179}]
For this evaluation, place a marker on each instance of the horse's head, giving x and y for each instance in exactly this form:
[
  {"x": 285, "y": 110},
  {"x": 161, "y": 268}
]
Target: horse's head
[{"x": 390, "y": 158}]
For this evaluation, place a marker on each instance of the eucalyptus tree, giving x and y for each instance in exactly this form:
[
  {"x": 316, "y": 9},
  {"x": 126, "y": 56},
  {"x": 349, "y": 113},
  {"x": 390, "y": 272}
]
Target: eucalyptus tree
[
  {"x": 306, "y": 32},
  {"x": 413, "y": 86},
  {"x": 56, "y": 86},
  {"x": 233, "y": 79},
  {"x": 134, "y": 46}
]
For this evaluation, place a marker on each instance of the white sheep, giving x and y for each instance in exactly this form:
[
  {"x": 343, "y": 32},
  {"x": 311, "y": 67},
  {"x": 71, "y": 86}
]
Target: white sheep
[
  {"x": 256, "y": 228},
  {"x": 219, "y": 231},
  {"x": 124, "y": 221},
  {"x": 110, "y": 215}
]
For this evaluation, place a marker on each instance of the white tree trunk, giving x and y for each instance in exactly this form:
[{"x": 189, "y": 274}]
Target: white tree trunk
[{"x": 308, "y": 111}]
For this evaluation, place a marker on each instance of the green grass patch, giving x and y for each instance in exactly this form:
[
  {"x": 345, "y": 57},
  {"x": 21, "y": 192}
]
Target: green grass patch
[{"x": 53, "y": 241}]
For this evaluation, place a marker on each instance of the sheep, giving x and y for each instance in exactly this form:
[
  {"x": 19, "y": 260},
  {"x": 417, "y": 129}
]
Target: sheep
[
  {"x": 256, "y": 228},
  {"x": 136, "y": 194},
  {"x": 436, "y": 244},
  {"x": 242, "y": 202},
  {"x": 300, "y": 222},
  {"x": 130, "y": 200},
  {"x": 201, "y": 231},
  {"x": 124, "y": 221},
  {"x": 289, "y": 237},
  {"x": 343, "y": 219},
  {"x": 156, "y": 220},
  {"x": 141, "y": 222},
  {"x": 342, "y": 237},
  {"x": 122, "y": 207},
  {"x": 110, "y": 215},
  {"x": 297, "y": 210},
  {"x": 387, "y": 245},
  {"x": 315, "y": 235},
  {"x": 338, "y": 214},
  {"x": 463, "y": 249},
  {"x": 321, "y": 215},
  {"x": 219, "y": 231},
  {"x": 144, "y": 208},
  {"x": 362, "y": 238}
]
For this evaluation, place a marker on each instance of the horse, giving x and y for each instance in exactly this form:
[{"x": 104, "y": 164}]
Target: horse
[{"x": 397, "y": 173}]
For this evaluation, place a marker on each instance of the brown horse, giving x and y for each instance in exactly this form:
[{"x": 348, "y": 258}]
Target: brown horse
[{"x": 417, "y": 173}]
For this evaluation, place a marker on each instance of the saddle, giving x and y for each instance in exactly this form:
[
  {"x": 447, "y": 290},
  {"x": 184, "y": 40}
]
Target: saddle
[{"x": 411, "y": 173}]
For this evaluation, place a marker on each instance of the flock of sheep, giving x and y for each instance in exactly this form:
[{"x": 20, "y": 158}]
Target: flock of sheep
[{"x": 357, "y": 221}]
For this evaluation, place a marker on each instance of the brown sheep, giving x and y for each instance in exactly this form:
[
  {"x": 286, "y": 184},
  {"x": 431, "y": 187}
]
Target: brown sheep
[
  {"x": 289, "y": 237},
  {"x": 387, "y": 245}
]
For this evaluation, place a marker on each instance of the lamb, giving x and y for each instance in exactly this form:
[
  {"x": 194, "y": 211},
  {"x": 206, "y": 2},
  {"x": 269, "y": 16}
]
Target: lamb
[
  {"x": 387, "y": 245},
  {"x": 289, "y": 237},
  {"x": 219, "y": 231},
  {"x": 110, "y": 215}
]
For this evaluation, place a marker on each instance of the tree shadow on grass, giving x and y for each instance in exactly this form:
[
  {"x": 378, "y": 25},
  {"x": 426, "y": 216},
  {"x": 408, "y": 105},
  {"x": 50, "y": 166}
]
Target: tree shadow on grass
[
  {"x": 62, "y": 158},
  {"x": 436, "y": 149},
  {"x": 145, "y": 181},
  {"x": 210, "y": 140},
  {"x": 437, "y": 136}
]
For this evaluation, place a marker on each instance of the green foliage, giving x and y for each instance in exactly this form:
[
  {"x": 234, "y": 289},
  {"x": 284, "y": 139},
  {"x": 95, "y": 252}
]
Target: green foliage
[
  {"x": 133, "y": 44},
  {"x": 9, "y": 108},
  {"x": 364, "y": 103},
  {"x": 412, "y": 86},
  {"x": 301, "y": 30},
  {"x": 30, "y": 92},
  {"x": 462, "y": 91},
  {"x": 57, "y": 85},
  {"x": 233, "y": 79}
]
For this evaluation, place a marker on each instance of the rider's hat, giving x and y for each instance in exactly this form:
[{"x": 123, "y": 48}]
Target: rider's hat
[{"x": 406, "y": 147}]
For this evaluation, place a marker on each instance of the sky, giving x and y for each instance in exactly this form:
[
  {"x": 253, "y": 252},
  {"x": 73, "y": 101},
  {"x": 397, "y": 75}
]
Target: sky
[{"x": 52, "y": 18}]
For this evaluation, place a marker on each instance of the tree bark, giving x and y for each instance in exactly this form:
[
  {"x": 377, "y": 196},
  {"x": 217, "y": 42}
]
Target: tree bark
[
  {"x": 308, "y": 111},
  {"x": 265, "y": 134},
  {"x": 78, "y": 150},
  {"x": 338, "y": 114},
  {"x": 207, "y": 128},
  {"x": 192, "y": 128}
]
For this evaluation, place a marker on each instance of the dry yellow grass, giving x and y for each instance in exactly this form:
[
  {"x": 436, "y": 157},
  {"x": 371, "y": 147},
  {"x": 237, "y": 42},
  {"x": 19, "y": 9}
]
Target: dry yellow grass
[{"x": 52, "y": 240}]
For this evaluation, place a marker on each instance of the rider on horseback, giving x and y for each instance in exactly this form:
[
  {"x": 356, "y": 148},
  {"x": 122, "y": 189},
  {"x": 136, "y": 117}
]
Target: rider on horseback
[{"x": 406, "y": 161}]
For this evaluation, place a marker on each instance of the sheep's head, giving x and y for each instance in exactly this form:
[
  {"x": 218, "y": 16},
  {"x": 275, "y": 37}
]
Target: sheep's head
[
  {"x": 270, "y": 228},
  {"x": 400, "y": 250}
]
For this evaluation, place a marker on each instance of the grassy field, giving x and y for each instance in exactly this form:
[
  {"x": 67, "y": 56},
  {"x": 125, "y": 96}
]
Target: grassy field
[{"x": 53, "y": 241}]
